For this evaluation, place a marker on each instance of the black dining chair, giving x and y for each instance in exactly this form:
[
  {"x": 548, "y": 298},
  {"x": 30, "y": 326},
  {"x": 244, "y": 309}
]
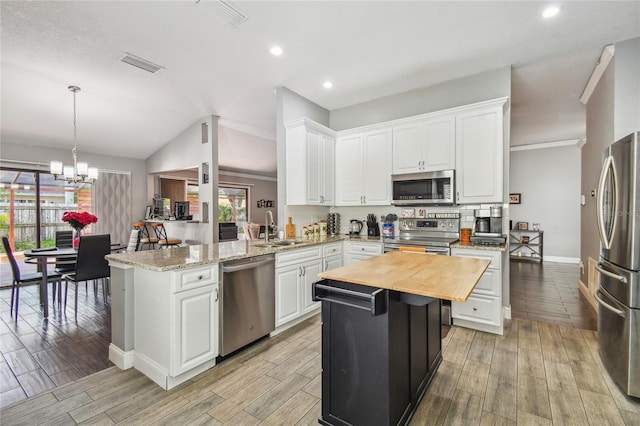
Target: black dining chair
[
  {"x": 22, "y": 280},
  {"x": 90, "y": 265}
]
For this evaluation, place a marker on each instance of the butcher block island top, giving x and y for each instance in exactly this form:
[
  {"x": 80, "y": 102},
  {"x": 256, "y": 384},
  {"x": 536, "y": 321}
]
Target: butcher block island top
[{"x": 441, "y": 277}]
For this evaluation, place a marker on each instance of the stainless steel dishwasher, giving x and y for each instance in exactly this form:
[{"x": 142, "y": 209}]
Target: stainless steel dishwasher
[{"x": 247, "y": 295}]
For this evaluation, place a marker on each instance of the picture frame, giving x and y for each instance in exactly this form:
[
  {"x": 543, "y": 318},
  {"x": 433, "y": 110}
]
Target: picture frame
[
  {"x": 147, "y": 213},
  {"x": 523, "y": 226},
  {"x": 515, "y": 198}
]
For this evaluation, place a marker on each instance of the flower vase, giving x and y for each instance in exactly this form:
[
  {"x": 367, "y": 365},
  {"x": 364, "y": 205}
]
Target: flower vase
[{"x": 77, "y": 233}]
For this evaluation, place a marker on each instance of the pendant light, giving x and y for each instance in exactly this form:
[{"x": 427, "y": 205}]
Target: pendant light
[{"x": 80, "y": 172}]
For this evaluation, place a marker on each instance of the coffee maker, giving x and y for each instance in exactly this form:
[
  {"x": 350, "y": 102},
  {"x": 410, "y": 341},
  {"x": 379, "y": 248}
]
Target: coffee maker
[{"x": 487, "y": 227}]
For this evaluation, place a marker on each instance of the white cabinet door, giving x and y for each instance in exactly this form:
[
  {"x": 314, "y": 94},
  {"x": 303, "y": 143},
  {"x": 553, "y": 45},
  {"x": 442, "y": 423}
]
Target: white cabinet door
[
  {"x": 327, "y": 180},
  {"x": 332, "y": 262},
  {"x": 314, "y": 167},
  {"x": 349, "y": 171},
  {"x": 439, "y": 147},
  {"x": 287, "y": 294},
  {"x": 407, "y": 148},
  {"x": 479, "y": 156},
  {"x": 377, "y": 167},
  {"x": 195, "y": 328},
  {"x": 310, "y": 271}
]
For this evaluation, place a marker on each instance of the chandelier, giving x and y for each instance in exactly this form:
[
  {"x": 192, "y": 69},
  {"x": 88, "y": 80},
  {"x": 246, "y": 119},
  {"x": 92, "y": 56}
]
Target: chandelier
[{"x": 80, "y": 172}]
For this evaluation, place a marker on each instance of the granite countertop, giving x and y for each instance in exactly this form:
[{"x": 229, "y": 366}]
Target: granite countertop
[
  {"x": 442, "y": 277},
  {"x": 173, "y": 258},
  {"x": 459, "y": 244}
]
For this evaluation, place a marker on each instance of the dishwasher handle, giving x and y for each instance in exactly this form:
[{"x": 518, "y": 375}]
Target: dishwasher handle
[
  {"x": 375, "y": 302},
  {"x": 246, "y": 265}
]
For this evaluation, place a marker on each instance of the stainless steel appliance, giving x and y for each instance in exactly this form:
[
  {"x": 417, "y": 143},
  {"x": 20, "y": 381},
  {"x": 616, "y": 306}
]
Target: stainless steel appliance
[
  {"x": 422, "y": 189},
  {"x": 435, "y": 234},
  {"x": 487, "y": 228},
  {"x": 618, "y": 294},
  {"x": 181, "y": 210},
  {"x": 355, "y": 227},
  {"x": 247, "y": 301}
]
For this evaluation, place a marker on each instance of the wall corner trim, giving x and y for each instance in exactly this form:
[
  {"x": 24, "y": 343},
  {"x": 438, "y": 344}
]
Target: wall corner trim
[{"x": 601, "y": 66}]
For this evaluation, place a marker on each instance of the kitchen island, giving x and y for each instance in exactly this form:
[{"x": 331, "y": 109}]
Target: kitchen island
[{"x": 381, "y": 335}]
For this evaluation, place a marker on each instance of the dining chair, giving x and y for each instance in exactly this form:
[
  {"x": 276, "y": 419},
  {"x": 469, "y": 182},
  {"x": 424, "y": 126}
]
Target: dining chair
[
  {"x": 161, "y": 233},
  {"x": 144, "y": 237},
  {"x": 22, "y": 280},
  {"x": 90, "y": 265}
]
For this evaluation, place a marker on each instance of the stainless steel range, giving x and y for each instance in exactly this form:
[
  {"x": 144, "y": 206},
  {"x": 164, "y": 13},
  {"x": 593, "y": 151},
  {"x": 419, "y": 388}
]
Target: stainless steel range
[{"x": 435, "y": 233}]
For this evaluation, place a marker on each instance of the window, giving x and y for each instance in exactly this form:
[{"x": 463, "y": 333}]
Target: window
[{"x": 232, "y": 206}]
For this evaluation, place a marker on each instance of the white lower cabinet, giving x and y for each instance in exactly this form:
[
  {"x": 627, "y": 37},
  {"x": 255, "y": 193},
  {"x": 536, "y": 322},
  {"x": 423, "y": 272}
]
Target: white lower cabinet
[
  {"x": 356, "y": 251},
  {"x": 483, "y": 310},
  {"x": 175, "y": 323}
]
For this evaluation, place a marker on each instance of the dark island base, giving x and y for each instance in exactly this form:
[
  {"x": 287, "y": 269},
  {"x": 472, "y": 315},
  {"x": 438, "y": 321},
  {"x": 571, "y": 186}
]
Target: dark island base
[{"x": 380, "y": 350}]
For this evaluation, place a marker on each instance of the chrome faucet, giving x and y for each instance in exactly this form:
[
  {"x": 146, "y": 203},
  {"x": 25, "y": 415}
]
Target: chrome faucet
[{"x": 268, "y": 221}]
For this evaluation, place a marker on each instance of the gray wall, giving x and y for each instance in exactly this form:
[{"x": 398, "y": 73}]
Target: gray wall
[
  {"x": 476, "y": 88},
  {"x": 627, "y": 88},
  {"x": 16, "y": 151},
  {"x": 549, "y": 181}
]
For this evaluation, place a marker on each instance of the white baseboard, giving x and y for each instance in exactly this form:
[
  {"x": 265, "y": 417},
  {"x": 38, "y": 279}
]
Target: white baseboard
[
  {"x": 560, "y": 259},
  {"x": 123, "y": 360},
  {"x": 507, "y": 312}
]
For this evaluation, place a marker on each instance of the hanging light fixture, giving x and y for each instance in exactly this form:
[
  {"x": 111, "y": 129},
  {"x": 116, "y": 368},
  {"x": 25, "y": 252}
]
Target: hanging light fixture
[{"x": 80, "y": 172}]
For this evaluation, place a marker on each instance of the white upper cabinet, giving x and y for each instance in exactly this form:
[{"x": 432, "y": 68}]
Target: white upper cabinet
[
  {"x": 424, "y": 145},
  {"x": 310, "y": 155},
  {"x": 479, "y": 155},
  {"x": 363, "y": 168}
]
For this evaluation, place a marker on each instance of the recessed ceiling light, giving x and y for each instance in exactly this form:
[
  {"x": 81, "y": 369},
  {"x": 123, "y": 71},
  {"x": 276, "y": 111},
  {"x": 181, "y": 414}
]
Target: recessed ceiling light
[
  {"x": 551, "y": 11},
  {"x": 327, "y": 85},
  {"x": 276, "y": 50}
]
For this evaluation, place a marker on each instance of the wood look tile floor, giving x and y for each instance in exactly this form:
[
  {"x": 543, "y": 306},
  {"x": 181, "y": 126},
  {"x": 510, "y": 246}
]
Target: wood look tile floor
[
  {"x": 536, "y": 373},
  {"x": 549, "y": 292}
]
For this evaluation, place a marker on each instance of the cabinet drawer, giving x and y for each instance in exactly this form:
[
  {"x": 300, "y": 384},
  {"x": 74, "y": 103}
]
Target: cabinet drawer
[
  {"x": 365, "y": 248},
  {"x": 295, "y": 256},
  {"x": 193, "y": 278},
  {"x": 490, "y": 284},
  {"x": 480, "y": 309},
  {"x": 493, "y": 256},
  {"x": 331, "y": 249}
]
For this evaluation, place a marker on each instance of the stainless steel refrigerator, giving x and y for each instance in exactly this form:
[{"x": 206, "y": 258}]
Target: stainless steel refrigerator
[{"x": 618, "y": 294}]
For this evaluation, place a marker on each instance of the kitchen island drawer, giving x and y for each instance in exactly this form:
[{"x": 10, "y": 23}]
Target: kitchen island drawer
[{"x": 194, "y": 278}]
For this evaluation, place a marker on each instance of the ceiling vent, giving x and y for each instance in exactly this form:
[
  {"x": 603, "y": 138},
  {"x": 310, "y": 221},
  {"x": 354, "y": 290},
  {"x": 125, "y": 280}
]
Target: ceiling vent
[
  {"x": 141, "y": 63},
  {"x": 224, "y": 11}
]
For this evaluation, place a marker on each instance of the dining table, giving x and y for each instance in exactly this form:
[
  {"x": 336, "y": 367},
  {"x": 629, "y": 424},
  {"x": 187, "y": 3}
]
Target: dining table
[{"x": 41, "y": 255}]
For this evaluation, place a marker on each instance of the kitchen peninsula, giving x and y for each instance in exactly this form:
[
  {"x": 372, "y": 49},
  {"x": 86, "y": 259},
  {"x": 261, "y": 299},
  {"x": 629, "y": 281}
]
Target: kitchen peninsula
[{"x": 164, "y": 302}]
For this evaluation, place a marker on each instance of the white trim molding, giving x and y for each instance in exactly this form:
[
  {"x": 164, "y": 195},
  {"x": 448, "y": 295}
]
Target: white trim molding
[
  {"x": 542, "y": 145},
  {"x": 561, "y": 259},
  {"x": 601, "y": 66}
]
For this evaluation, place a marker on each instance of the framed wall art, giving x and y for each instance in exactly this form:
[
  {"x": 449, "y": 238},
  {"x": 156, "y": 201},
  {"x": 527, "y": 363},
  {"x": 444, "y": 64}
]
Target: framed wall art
[{"x": 514, "y": 198}]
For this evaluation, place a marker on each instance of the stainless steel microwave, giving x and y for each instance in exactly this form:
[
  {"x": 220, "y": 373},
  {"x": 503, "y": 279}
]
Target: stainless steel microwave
[{"x": 424, "y": 189}]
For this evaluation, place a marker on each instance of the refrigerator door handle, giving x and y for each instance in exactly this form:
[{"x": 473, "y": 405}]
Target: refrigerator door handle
[
  {"x": 608, "y": 306},
  {"x": 607, "y": 168},
  {"x": 610, "y": 274}
]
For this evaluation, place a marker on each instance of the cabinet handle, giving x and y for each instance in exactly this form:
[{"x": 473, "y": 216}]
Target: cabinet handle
[
  {"x": 364, "y": 198},
  {"x": 321, "y": 199},
  {"x": 199, "y": 277},
  {"x": 304, "y": 271},
  {"x": 475, "y": 309},
  {"x": 299, "y": 271},
  {"x": 326, "y": 265},
  {"x": 216, "y": 299}
]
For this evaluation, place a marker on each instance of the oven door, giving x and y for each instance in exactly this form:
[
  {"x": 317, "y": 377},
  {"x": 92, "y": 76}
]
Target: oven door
[{"x": 436, "y": 250}]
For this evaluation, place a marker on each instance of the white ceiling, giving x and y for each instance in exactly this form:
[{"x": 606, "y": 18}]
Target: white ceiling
[{"x": 368, "y": 49}]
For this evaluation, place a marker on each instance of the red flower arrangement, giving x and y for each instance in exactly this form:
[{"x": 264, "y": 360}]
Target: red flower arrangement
[{"x": 78, "y": 220}]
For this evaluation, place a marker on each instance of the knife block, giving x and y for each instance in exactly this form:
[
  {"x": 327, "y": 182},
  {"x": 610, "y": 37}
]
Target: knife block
[{"x": 373, "y": 229}]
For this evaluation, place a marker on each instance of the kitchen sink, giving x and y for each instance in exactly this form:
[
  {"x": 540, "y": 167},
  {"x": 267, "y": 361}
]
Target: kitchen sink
[{"x": 280, "y": 243}]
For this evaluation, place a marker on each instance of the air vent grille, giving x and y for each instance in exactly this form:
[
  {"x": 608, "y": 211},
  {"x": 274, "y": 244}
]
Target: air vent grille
[
  {"x": 141, "y": 63},
  {"x": 224, "y": 11}
]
